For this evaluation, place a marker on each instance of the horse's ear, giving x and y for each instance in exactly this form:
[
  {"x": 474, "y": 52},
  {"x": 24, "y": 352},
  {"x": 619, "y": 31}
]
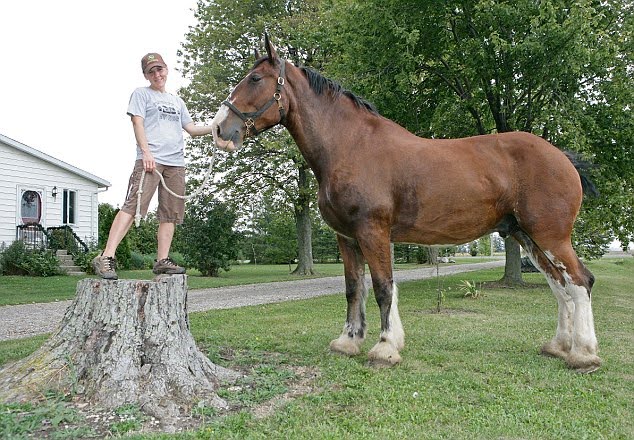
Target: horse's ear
[
  {"x": 270, "y": 50},
  {"x": 256, "y": 53}
]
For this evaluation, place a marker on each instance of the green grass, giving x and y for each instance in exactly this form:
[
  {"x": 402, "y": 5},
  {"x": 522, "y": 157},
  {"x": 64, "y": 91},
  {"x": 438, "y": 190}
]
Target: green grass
[
  {"x": 28, "y": 290},
  {"x": 471, "y": 371}
]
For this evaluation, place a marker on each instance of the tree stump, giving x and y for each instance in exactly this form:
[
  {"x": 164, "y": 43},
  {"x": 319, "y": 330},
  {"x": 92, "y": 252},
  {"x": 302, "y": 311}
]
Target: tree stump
[{"x": 122, "y": 342}]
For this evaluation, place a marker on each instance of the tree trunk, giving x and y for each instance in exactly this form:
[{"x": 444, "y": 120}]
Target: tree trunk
[
  {"x": 122, "y": 342},
  {"x": 513, "y": 267},
  {"x": 433, "y": 255},
  {"x": 303, "y": 227}
]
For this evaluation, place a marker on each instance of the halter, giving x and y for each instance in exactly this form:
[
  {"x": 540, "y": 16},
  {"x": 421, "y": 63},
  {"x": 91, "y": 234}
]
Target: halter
[{"x": 249, "y": 118}]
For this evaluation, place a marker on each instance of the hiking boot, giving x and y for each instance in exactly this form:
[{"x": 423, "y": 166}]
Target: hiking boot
[
  {"x": 104, "y": 267},
  {"x": 167, "y": 266}
]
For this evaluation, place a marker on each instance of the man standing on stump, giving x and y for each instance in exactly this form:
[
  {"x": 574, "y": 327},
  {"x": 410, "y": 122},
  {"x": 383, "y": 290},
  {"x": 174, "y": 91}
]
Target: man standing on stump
[{"x": 158, "y": 121}]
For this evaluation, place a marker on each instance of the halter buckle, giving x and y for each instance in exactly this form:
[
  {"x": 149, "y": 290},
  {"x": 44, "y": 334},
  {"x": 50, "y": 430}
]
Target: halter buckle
[{"x": 249, "y": 123}]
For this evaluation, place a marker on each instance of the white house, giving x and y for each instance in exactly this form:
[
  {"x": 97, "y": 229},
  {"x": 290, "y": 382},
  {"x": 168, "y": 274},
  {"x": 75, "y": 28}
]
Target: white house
[{"x": 38, "y": 188}]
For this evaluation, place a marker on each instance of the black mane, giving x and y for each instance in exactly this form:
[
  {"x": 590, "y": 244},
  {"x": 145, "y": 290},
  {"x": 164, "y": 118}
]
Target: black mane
[{"x": 319, "y": 83}]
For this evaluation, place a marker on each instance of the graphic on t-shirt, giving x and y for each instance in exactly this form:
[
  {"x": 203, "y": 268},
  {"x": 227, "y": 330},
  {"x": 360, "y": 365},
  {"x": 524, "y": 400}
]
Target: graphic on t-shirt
[{"x": 167, "y": 111}]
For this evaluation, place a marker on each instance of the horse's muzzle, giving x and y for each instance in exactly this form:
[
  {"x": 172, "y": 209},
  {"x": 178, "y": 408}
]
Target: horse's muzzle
[{"x": 227, "y": 135}]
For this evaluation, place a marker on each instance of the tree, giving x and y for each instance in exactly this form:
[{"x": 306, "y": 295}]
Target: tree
[
  {"x": 209, "y": 241},
  {"x": 216, "y": 54},
  {"x": 473, "y": 67},
  {"x": 272, "y": 234}
]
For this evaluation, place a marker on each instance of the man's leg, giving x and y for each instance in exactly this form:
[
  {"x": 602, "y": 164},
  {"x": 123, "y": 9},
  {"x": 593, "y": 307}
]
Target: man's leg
[{"x": 164, "y": 235}]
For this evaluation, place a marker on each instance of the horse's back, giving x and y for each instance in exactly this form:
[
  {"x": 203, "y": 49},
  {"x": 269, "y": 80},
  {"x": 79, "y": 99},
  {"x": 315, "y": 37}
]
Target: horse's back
[{"x": 459, "y": 189}]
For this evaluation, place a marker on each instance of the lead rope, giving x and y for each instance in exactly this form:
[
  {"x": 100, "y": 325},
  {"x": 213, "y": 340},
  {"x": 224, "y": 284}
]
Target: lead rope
[{"x": 137, "y": 217}]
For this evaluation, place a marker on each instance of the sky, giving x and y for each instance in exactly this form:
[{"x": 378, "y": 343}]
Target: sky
[{"x": 67, "y": 69}]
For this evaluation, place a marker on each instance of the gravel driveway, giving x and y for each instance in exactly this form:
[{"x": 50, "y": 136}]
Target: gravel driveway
[{"x": 26, "y": 320}]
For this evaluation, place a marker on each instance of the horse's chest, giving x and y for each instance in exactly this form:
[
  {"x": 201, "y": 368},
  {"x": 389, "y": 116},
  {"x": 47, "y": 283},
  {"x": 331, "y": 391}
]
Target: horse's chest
[{"x": 343, "y": 207}]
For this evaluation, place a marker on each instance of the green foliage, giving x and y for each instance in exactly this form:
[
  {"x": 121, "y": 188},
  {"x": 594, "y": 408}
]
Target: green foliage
[
  {"x": 130, "y": 419},
  {"x": 139, "y": 261},
  {"x": 591, "y": 238},
  {"x": 411, "y": 253},
  {"x": 470, "y": 289},
  {"x": 26, "y": 420},
  {"x": 143, "y": 239},
  {"x": 210, "y": 243},
  {"x": 17, "y": 259},
  {"x": 273, "y": 237},
  {"x": 325, "y": 247}
]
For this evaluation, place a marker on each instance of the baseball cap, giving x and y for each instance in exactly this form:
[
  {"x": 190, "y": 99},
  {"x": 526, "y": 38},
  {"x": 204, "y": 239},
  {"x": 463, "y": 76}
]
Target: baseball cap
[{"x": 150, "y": 60}]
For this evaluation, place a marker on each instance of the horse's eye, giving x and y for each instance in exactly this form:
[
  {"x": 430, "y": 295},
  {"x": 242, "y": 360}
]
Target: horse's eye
[{"x": 255, "y": 78}]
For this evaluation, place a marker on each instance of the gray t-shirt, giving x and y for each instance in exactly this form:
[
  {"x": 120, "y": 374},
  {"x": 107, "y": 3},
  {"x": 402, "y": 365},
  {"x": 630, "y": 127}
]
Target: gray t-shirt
[{"x": 164, "y": 117}]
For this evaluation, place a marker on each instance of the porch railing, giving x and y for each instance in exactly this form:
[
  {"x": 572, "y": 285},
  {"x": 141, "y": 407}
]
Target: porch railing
[
  {"x": 63, "y": 237},
  {"x": 33, "y": 235},
  {"x": 56, "y": 237}
]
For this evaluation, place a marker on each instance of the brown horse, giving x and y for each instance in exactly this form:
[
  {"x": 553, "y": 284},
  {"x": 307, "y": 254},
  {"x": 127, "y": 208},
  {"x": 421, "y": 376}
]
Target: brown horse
[{"x": 379, "y": 183}]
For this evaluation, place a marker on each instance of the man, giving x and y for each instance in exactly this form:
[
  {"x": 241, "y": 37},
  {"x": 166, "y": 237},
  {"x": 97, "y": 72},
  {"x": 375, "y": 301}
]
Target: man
[{"x": 158, "y": 120}]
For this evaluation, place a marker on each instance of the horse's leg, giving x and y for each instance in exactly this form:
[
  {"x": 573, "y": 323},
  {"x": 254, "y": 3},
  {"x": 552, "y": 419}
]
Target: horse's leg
[
  {"x": 582, "y": 356},
  {"x": 354, "y": 271},
  {"x": 392, "y": 339},
  {"x": 571, "y": 282}
]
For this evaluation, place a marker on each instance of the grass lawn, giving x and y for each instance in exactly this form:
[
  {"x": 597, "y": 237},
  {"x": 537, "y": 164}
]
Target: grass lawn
[
  {"x": 471, "y": 371},
  {"x": 27, "y": 290}
]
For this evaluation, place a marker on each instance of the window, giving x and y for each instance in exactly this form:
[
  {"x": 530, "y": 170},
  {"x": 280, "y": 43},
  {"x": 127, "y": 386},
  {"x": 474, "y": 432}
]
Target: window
[
  {"x": 69, "y": 207},
  {"x": 31, "y": 207}
]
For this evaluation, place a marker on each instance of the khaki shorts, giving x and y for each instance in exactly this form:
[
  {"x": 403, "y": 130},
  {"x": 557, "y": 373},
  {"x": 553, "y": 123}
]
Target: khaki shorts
[{"x": 170, "y": 209}]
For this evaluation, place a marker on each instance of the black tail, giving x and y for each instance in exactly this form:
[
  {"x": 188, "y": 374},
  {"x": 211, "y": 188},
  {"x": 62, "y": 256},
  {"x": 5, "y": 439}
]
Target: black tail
[{"x": 583, "y": 168}]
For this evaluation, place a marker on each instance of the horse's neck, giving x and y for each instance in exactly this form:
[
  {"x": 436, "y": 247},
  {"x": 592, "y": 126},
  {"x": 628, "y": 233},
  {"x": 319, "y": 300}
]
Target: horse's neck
[{"x": 319, "y": 131}]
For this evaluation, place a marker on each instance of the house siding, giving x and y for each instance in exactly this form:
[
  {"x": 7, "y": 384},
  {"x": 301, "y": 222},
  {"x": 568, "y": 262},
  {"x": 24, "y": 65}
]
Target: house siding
[{"x": 21, "y": 171}]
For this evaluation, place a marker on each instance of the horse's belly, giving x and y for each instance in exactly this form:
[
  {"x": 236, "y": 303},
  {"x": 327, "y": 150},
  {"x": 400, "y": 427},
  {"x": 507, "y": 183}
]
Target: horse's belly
[{"x": 444, "y": 228}]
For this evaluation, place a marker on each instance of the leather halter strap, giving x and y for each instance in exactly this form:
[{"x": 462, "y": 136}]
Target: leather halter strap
[{"x": 250, "y": 118}]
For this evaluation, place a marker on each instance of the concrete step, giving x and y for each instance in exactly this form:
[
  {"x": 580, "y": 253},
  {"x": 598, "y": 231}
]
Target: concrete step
[{"x": 67, "y": 264}]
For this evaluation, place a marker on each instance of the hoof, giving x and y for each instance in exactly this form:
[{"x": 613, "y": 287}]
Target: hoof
[
  {"x": 554, "y": 349},
  {"x": 585, "y": 364},
  {"x": 345, "y": 345},
  {"x": 383, "y": 354}
]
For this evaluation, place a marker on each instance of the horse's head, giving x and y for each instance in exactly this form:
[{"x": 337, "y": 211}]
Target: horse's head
[{"x": 255, "y": 105}]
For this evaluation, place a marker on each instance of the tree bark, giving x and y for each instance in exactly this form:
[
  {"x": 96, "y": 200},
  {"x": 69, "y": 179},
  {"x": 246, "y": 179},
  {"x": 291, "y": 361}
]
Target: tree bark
[
  {"x": 513, "y": 267},
  {"x": 305, "y": 265},
  {"x": 122, "y": 342}
]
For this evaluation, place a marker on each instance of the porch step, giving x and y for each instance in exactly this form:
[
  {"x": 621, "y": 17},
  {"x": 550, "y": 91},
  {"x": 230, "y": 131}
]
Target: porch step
[{"x": 66, "y": 263}]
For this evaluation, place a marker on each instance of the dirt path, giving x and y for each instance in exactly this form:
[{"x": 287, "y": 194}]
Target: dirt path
[{"x": 33, "y": 319}]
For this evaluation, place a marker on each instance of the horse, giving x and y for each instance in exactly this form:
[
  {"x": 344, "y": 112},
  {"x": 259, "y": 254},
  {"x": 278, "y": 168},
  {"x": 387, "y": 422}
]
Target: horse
[{"x": 379, "y": 183}]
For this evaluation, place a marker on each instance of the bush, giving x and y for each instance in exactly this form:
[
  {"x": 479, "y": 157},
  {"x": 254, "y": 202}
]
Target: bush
[
  {"x": 17, "y": 259},
  {"x": 209, "y": 241},
  {"x": 138, "y": 261}
]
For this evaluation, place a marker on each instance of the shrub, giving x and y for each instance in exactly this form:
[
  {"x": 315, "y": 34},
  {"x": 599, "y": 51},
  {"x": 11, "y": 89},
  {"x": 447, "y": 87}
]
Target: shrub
[
  {"x": 137, "y": 261},
  {"x": 209, "y": 241},
  {"x": 17, "y": 259}
]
